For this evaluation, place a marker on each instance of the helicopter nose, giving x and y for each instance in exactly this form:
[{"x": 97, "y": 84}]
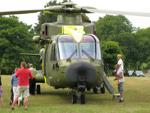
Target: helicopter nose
[{"x": 81, "y": 72}]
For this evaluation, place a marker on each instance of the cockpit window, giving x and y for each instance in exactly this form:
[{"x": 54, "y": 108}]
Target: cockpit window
[
  {"x": 67, "y": 48},
  {"x": 87, "y": 48}
]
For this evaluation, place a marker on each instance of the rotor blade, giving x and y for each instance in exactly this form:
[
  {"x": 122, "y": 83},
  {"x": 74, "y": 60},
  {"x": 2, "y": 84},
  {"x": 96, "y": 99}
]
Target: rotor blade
[
  {"x": 20, "y": 12},
  {"x": 51, "y": 9},
  {"x": 30, "y": 54},
  {"x": 118, "y": 12}
]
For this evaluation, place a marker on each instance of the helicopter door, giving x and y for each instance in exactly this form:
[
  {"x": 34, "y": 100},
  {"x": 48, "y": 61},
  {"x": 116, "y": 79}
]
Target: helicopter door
[{"x": 53, "y": 57}]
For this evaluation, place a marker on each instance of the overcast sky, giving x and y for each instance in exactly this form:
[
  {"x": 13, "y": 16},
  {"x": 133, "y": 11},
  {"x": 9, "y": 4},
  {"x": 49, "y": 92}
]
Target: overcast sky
[{"x": 122, "y": 5}]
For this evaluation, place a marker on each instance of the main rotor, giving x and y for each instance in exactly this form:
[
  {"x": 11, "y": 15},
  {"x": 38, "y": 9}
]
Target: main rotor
[{"x": 70, "y": 7}]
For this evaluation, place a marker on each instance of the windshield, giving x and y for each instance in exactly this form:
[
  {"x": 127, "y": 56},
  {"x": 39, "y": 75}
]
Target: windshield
[
  {"x": 69, "y": 49},
  {"x": 87, "y": 47}
]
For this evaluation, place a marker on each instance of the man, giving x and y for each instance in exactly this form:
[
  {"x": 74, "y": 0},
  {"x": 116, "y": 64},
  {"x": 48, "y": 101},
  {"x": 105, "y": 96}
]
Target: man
[
  {"x": 23, "y": 74},
  {"x": 32, "y": 81},
  {"x": 120, "y": 76}
]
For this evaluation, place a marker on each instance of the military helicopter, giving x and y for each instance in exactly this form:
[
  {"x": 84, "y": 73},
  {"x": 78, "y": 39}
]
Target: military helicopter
[{"x": 71, "y": 54}]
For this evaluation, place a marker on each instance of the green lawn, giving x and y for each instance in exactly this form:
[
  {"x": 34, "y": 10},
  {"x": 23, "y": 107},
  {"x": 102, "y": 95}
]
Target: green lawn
[{"x": 137, "y": 99}]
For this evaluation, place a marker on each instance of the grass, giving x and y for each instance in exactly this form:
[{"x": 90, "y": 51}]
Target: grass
[{"x": 137, "y": 99}]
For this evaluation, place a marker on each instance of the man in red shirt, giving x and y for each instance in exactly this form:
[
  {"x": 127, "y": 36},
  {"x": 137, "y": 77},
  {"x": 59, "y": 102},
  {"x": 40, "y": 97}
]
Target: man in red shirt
[{"x": 23, "y": 74}]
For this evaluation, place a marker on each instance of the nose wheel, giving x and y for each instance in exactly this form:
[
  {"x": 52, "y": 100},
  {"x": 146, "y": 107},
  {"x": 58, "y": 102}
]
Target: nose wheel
[
  {"x": 82, "y": 98},
  {"x": 78, "y": 96},
  {"x": 74, "y": 99}
]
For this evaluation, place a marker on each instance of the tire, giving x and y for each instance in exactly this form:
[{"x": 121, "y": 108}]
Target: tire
[
  {"x": 102, "y": 90},
  {"x": 88, "y": 89},
  {"x": 32, "y": 86},
  {"x": 74, "y": 99},
  {"x": 95, "y": 90},
  {"x": 82, "y": 99},
  {"x": 38, "y": 89}
]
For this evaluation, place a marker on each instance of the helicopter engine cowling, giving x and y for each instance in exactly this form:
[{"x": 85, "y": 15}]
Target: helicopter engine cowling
[{"x": 81, "y": 73}]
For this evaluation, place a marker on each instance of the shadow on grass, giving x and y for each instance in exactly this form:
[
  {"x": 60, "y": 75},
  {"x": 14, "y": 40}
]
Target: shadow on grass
[{"x": 66, "y": 97}]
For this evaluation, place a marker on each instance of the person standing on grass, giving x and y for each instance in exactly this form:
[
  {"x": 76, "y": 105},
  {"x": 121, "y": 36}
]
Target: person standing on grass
[
  {"x": 23, "y": 74},
  {"x": 32, "y": 81},
  {"x": 120, "y": 76},
  {"x": 14, "y": 86},
  {"x": 1, "y": 90}
]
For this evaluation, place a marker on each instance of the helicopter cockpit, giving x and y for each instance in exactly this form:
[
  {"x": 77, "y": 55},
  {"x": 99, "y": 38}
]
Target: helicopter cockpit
[{"x": 88, "y": 48}]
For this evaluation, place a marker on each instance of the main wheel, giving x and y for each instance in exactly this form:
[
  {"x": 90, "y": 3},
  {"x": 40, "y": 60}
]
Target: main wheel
[
  {"x": 102, "y": 90},
  {"x": 38, "y": 89},
  {"x": 74, "y": 99},
  {"x": 95, "y": 90},
  {"x": 32, "y": 86},
  {"x": 82, "y": 99}
]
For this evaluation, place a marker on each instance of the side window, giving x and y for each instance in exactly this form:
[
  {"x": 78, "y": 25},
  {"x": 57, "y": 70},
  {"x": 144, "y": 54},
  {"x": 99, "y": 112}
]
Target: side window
[{"x": 53, "y": 53}]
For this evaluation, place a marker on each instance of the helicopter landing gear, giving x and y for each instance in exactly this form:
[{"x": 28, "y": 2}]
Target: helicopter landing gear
[
  {"x": 82, "y": 98},
  {"x": 78, "y": 94},
  {"x": 95, "y": 90},
  {"x": 102, "y": 89},
  {"x": 74, "y": 97},
  {"x": 38, "y": 89}
]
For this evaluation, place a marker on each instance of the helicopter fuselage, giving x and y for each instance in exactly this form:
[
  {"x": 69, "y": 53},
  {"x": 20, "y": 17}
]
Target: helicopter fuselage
[{"x": 68, "y": 62}]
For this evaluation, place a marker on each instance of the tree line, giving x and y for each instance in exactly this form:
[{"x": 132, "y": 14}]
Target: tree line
[
  {"x": 15, "y": 38},
  {"x": 116, "y": 34},
  {"x": 133, "y": 43}
]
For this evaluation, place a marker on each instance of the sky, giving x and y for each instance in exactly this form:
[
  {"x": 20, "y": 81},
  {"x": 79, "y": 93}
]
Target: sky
[{"x": 119, "y": 5}]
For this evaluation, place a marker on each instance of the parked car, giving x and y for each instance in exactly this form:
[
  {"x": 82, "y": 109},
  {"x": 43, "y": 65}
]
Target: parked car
[
  {"x": 130, "y": 73},
  {"x": 136, "y": 73},
  {"x": 139, "y": 73}
]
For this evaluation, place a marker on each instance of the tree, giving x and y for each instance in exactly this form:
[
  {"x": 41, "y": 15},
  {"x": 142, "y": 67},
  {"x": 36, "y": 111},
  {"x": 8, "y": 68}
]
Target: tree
[
  {"x": 109, "y": 27},
  {"x": 128, "y": 44},
  {"x": 110, "y": 49},
  {"x": 15, "y": 38},
  {"x": 143, "y": 41}
]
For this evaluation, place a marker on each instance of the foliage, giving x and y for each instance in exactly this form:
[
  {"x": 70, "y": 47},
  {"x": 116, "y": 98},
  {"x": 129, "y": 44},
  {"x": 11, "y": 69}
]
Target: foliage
[
  {"x": 15, "y": 38},
  {"x": 128, "y": 43},
  {"x": 110, "y": 49},
  {"x": 143, "y": 39},
  {"x": 109, "y": 27},
  {"x": 117, "y": 29},
  {"x": 133, "y": 42}
]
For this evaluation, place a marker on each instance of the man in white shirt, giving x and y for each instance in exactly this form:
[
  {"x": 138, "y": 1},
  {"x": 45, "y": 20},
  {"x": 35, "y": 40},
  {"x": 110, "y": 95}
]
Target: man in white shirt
[{"x": 120, "y": 76}]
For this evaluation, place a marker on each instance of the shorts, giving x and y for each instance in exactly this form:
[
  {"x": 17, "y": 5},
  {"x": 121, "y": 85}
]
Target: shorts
[
  {"x": 120, "y": 87},
  {"x": 20, "y": 98},
  {"x": 24, "y": 91},
  {"x": 15, "y": 92}
]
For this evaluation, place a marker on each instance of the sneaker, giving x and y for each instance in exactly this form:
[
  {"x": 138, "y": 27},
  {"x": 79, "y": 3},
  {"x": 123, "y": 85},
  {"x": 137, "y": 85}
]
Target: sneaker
[
  {"x": 121, "y": 99},
  {"x": 12, "y": 108}
]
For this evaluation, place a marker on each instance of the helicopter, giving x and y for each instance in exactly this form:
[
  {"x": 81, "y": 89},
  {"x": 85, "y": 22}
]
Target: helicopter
[{"x": 71, "y": 54}]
